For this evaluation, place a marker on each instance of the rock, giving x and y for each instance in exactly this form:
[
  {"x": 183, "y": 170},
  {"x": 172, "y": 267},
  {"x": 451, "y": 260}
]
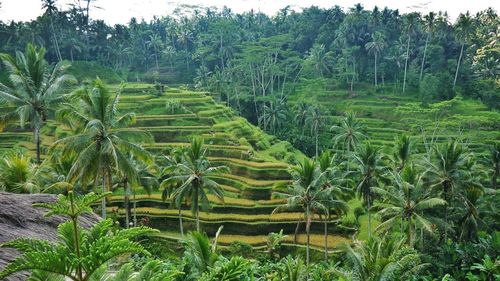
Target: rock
[{"x": 18, "y": 218}]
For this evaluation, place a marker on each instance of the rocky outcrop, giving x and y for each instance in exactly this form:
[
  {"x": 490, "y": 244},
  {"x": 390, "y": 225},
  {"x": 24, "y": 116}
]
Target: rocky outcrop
[{"x": 18, "y": 218}]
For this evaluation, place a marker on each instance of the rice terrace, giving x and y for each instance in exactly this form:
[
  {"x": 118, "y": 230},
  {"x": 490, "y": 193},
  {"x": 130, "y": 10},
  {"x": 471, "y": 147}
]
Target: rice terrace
[{"x": 243, "y": 141}]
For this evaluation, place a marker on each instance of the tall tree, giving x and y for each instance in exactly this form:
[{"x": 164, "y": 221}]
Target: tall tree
[
  {"x": 155, "y": 43},
  {"x": 348, "y": 134},
  {"x": 315, "y": 121},
  {"x": 194, "y": 173},
  {"x": 410, "y": 21},
  {"x": 51, "y": 10},
  {"x": 103, "y": 138},
  {"x": 464, "y": 28},
  {"x": 375, "y": 47},
  {"x": 35, "y": 89},
  {"x": 430, "y": 20}
]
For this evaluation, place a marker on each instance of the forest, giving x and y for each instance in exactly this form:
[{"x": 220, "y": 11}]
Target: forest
[{"x": 315, "y": 144}]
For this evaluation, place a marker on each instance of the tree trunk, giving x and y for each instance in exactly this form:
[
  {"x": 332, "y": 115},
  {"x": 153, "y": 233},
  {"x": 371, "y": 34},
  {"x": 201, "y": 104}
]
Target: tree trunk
[
  {"x": 326, "y": 238},
  {"x": 56, "y": 43},
  {"x": 308, "y": 228},
  {"x": 180, "y": 220},
  {"x": 296, "y": 232},
  {"x": 458, "y": 66},
  {"x": 316, "y": 143},
  {"x": 369, "y": 218},
  {"x": 376, "y": 70},
  {"x": 495, "y": 176},
  {"x": 135, "y": 208},
  {"x": 409, "y": 232},
  {"x": 127, "y": 204},
  {"x": 353, "y": 73},
  {"x": 423, "y": 57},
  {"x": 103, "y": 201},
  {"x": 406, "y": 62},
  {"x": 36, "y": 133}
]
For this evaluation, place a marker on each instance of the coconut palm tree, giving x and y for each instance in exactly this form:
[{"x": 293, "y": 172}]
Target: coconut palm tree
[
  {"x": 430, "y": 21},
  {"x": 103, "y": 138},
  {"x": 35, "y": 89},
  {"x": 410, "y": 20},
  {"x": 273, "y": 115},
  {"x": 348, "y": 134},
  {"x": 375, "y": 47},
  {"x": 315, "y": 120},
  {"x": 306, "y": 194},
  {"x": 50, "y": 10},
  {"x": 301, "y": 113},
  {"x": 17, "y": 173},
  {"x": 194, "y": 173},
  {"x": 464, "y": 28},
  {"x": 371, "y": 170},
  {"x": 155, "y": 43},
  {"x": 406, "y": 200},
  {"x": 447, "y": 171},
  {"x": 402, "y": 151},
  {"x": 318, "y": 57}
]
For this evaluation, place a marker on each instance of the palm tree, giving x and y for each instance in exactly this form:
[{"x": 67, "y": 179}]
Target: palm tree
[
  {"x": 371, "y": 169},
  {"x": 273, "y": 115},
  {"x": 50, "y": 10},
  {"x": 194, "y": 173},
  {"x": 447, "y": 171},
  {"x": 36, "y": 89},
  {"x": 464, "y": 29},
  {"x": 315, "y": 120},
  {"x": 381, "y": 259},
  {"x": 79, "y": 254},
  {"x": 430, "y": 21},
  {"x": 156, "y": 44},
  {"x": 349, "y": 134},
  {"x": 169, "y": 52},
  {"x": 375, "y": 47},
  {"x": 306, "y": 194},
  {"x": 318, "y": 57},
  {"x": 411, "y": 20},
  {"x": 199, "y": 254},
  {"x": 103, "y": 140},
  {"x": 17, "y": 173},
  {"x": 406, "y": 201},
  {"x": 301, "y": 112}
]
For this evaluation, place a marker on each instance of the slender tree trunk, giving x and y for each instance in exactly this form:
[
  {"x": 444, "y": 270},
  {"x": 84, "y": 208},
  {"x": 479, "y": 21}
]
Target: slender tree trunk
[
  {"x": 296, "y": 232},
  {"x": 36, "y": 133},
  {"x": 135, "y": 208},
  {"x": 197, "y": 208},
  {"x": 369, "y": 218},
  {"x": 406, "y": 62},
  {"x": 458, "y": 66},
  {"x": 127, "y": 203},
  {"x": 308, "y": 228},
  {"x": 316, "y": 143},
  {"x": 495, "y": 176},
  {"x": 423, "y": 57},
  {"x": 103, "y": 201},
  {"x": 376, "y": 69},
  {"x": 71, "y": 53},
  {"x": 56, "y": 43},
  {"x": 353, "y": 73},
  {"x": 180, "y": 220},
  {"x": 410, "y": 239},
  {"x": 326, "y": 238}
]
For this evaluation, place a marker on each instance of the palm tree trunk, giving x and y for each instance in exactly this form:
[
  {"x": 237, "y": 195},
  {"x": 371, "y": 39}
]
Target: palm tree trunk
[
  {"x": 308, "y": 228},
  {"x": 423, "y": 57},
  {"x": 103, "y": 201},
  {"x": 134, "y": 207},
  {"x": 369, "y": 218},
  {"x": 496, "y": 171},
  {"x": 56, "y": 43},
  {"x": 197, "y": 218},
  {"x": 376, "y": 69},
  {"x": 458, "y": 66},
  {"x": 316, "y": 143},
  {"x": 406, "y": 62},
  {"x": 36, "y": 133},
  {"x": 296, "y": 232},
  {"x": 326, "y": 238},
  {"x": 409, "y": 232},
  {"x": 127, "y": 204},
  {"x": 353, "y": 73},
  {"x": 180, "y": 220}
]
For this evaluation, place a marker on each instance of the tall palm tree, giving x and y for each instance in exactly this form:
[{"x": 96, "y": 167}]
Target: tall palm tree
[
  {"x": 50, "y": 10},
  {"x": 194, "y": 173},
  {"x": 349, "y": 134},
  {"x": 301, "y": 112},
  {"x": 318, "y": 57},
  {"x": 430, "y": 21},
  {"x": 371, "y": 171},
  {"x": 273, "y": 115},
  {"x": 155, "y": 43},
  {"x": 315, "y": 120},
  {"x": 411, "y": 20},
  {"x": 375, "y": 47},
  {"x": 406, "y": 200},
  {"x": 36, "y": 89},
  {"x": 464, "y": 28},
  {"x": 447, "y": 172},
  {"x": 104, "y": 138},
  {"x": 306, "y": 194}
]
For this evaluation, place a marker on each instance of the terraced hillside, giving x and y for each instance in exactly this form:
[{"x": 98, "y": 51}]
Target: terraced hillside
[
  {"x": 388, "y": 115},
  {"x": 258, "y": 166}
]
